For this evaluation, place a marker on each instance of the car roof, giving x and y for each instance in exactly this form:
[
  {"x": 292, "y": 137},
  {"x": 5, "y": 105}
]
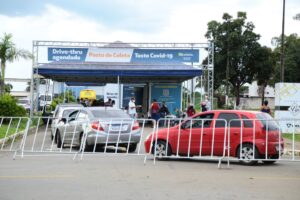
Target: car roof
[
  {"x": 70, "y": 105},
  {"x": 108, "y": 108},
  {"x": 237, "y": 111}
]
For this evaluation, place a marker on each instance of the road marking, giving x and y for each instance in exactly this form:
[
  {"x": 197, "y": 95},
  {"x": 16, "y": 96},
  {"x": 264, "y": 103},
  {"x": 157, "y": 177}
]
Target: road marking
[
  {"x": 277, "y": 178},
  {"x": 36, "y": 177}
]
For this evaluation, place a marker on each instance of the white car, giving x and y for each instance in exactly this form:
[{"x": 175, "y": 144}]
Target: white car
[
  {"x": 62, "y": 111},
  {"x": 104, "y": 126},
  {"x": 25, "y": 103}
]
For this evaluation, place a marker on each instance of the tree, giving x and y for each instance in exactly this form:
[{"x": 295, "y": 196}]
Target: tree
[
  {"x": 9, "y": 53},
  {"x": 66, "y": 97},
  {"x": 8, "y": 87},
  {"x": 291, "y": 60},
  {"x": 266, "y": 65},
  {"x": 236, "y": 46}
]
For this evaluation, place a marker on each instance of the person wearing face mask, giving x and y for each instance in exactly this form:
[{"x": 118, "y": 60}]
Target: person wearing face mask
[{"x": 132, "y": 108}]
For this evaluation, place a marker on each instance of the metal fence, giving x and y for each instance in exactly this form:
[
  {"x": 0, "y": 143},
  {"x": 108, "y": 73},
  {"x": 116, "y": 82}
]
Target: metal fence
[
  {"x": 11, "y": 130},
  {"x": 246, "y": 140}
]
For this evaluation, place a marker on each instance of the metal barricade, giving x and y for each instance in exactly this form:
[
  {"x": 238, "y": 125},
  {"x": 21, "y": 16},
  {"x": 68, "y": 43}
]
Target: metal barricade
[
  {"x": 245, "y": 140},
  {"x": 12, "y": 132},
  {"x": 253, "y": 140},
  {"x": 190, "y": 138},
  {"x": 115, "y": 137}
]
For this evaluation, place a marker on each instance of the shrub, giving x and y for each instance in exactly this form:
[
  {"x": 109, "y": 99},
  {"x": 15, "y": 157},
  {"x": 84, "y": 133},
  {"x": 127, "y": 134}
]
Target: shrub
[
  {"x": 70, "y": 97},
  {"x": 9, "y": 107}
]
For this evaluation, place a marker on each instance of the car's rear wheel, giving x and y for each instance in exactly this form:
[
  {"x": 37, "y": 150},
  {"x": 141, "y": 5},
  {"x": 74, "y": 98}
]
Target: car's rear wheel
[
  {"x": 246, "y": 153},
  {"x": 132, "y": 147},
  {"x": 58, "y": 140},
  {"x": 161, "y": 150},
  {"x": 87, "y": 146}
]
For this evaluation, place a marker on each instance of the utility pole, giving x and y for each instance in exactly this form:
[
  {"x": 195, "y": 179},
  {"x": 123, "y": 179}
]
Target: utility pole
[
  {"x": 227, "y": 69},
  {"x": 282, "y": 46}
]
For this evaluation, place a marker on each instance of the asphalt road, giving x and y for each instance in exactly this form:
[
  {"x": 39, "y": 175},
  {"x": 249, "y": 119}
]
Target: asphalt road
[
  {"x": 126, "y": 177},
  {"x": 121, "y": 176}
]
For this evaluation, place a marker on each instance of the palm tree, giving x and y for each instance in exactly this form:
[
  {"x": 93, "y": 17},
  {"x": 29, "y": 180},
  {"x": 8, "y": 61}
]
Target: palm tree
[{"x": 8, "y": 52}]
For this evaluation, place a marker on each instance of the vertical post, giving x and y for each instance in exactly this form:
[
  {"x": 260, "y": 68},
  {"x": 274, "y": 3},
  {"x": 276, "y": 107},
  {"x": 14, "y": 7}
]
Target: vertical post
[
  {"x": 64, "y": 91},
  {"x": 227, "y": 73},
  {"x": 119, "y": 87},
  {"x": 53, "y": 89},
  {"x": 31, "y": 82},
  {"x": 193, "y": 92},
  {"x": 282, "y": 46}
]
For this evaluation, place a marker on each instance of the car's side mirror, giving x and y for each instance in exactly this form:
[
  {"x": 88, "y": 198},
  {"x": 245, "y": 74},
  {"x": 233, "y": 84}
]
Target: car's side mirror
[{"x": 64, "y": 120}]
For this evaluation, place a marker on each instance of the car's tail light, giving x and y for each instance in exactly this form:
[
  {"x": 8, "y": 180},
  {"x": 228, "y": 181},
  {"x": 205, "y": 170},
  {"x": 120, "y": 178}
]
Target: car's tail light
[
  {"x": 135, "y": 126},
  {"x": 97, "y": 126}
]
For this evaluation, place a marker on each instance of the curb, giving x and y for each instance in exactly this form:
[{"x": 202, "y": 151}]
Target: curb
[{"x": 4, "y": 140}]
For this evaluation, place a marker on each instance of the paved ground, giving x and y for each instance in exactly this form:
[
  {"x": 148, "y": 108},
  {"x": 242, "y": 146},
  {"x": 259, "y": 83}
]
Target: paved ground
[
  {"x": 113, "y": 176},
  {"x": 121, "y": 177}
]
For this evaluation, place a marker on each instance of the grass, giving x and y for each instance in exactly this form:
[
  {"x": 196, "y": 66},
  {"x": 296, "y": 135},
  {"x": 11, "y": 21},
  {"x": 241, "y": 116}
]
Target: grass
[
  {"x": 290, "y": 136},
  {"x": 7, "y": 130}
]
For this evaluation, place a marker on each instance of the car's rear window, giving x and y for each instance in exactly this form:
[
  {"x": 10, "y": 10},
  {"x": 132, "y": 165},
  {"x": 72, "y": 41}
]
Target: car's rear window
[
  {"x": 267, "y": 121},
  {"x": 109, "y": 114}
]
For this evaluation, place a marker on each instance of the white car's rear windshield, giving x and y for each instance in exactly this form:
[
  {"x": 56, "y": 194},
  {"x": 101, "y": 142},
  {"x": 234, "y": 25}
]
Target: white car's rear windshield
[{"x": 109, "y": 114}]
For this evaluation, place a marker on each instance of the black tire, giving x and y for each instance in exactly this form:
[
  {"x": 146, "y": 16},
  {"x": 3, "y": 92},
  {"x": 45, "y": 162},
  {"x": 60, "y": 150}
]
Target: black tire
[
  {"x": 246, "y": 155},
  {"x": 160, "y": 150},
  {"x": 132, "y": 147},
  {"x": 58, "y": 140},
  {"x": 87, "y": 147}
]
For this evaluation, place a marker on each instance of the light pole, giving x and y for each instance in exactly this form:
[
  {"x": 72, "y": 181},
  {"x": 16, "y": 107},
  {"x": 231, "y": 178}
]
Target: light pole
[{"x": 282, "y": 46}]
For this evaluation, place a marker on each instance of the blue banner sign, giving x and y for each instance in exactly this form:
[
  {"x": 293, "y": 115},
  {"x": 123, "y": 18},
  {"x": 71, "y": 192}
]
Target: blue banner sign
[
  {"x": 123, "y": 55},
  {"x": 169, "y": 93}
]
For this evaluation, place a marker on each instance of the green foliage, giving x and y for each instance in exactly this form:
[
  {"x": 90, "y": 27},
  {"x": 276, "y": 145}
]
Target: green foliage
[
  {"x": 290, "y": 136},
  {"x": 291, "y": 60},
  {"x": 9, "y": 107},
  {"x": 236, "y": 45},
  {"x": 69, "y": 98},
  {"x": 8, "y": 87},
  {"x": 9, "y": 53}
]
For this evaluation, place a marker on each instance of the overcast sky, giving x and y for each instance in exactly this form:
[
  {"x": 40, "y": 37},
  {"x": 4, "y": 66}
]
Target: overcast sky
[{"x": 133, "y": 21}]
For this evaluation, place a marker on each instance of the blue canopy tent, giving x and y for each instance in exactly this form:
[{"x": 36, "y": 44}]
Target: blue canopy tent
[{"x": 95, "y": 73}]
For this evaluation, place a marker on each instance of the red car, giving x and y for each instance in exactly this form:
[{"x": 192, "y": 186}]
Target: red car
[{"x": 204, "y": 135}]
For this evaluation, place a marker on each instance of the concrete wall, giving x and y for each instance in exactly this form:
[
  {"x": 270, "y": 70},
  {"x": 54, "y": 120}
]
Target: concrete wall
[
  {"x": 254, "y": 103},
  {"x": 253, "y": 90}
]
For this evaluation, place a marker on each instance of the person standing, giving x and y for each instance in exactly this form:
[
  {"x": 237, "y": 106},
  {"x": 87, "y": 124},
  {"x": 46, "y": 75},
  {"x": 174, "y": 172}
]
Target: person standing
[
  {"x": 132, "y": 108},
  {"x": 108, "y": 103},
  {"x": 163, "y": 111},
  {"x": 265, "y": 108},
  {"x": 190, "y": 111},
  {"x": 154, "y": 110},
  {"x": 205, "y": 105}
]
